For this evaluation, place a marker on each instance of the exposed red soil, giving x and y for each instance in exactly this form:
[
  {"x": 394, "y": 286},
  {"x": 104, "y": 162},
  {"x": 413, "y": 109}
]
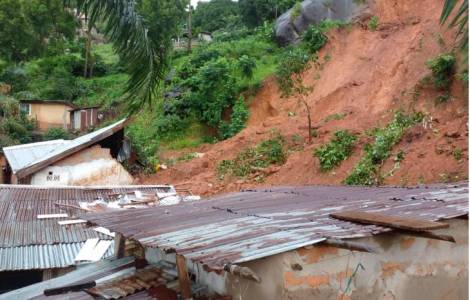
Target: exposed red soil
[{"x": 366, "y": 75}]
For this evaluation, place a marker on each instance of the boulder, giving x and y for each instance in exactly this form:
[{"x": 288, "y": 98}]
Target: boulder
[{"x": 289, "y": 30}]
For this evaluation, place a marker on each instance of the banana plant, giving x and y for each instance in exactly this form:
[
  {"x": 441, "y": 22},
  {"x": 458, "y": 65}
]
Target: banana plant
[{"x": 458, "y": 20}]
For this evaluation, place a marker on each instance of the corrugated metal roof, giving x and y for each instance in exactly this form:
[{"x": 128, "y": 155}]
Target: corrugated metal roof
[
  {"x": 19, "y": 227},
  {"x": 21, "y": 157},
  {"x": 249, "y": 225},
  {"x": 40, "y": 257}
]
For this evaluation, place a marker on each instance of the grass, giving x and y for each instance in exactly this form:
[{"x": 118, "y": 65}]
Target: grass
[
  {"x": 269, "y": 152},
  {"x": 337, "y": 150},
  {"x": 373, "y": 23},
  {"x": 366, "y": 172},
  {"x": 335, "y": 116}
]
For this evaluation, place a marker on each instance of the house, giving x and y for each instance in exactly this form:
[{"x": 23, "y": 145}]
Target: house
[
  {"x": 321, "y": 242},
  {"x": 91, "y": 159},
  {"x": 59, "y": 113},
  {"x": 48, "y": 113},
  {"x": 84, "y": 117},
  {"x": 40, "y": 237}
]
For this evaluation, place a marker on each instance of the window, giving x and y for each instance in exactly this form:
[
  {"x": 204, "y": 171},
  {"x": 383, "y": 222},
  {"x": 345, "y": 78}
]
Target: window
[{"x": 25, "y": 108}]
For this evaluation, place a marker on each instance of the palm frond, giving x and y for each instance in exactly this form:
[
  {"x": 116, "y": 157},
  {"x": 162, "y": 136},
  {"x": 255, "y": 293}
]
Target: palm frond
[
  {"x": 458, "y": 21},
  {"x": 144, "y": 57}
]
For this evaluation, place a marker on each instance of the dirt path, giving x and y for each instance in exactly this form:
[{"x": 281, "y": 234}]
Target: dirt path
[{"x": 364, "y": 76}]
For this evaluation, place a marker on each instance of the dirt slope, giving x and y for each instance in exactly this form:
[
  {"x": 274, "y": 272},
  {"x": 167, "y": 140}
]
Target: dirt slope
[{"x": 365, "y": 75}]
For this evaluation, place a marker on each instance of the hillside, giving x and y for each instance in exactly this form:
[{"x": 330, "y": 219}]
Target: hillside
[{"x": 361, "y": 79}]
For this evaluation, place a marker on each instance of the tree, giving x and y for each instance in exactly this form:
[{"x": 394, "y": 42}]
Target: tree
[
  {"x": 255, "y": 12},
  {"x": 141, "y": 44},
  {"x": 215, "y": 15},
  {"x": 29, "y": 27}
]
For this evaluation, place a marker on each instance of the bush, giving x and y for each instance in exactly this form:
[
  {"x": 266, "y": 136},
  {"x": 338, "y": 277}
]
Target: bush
[
  {"x": 56, "y": 133},
  {"x": 16, "y": 76},
  {"x": 213, "y": 91},
  {"x": 268, "y": 152},
  {"x": 295, "y": 61},
  {"x": 170, "y": 124},
  {"x": 442, "y": 68},
  {"x": 338, "y": 149},
  {"x": 373, "y": 23},
  {"x": 314, "y": 39},
  {"x": 246, "y": 65},
  {"x": 238, "y": 120},
  {"x": 366, "y": 171}
]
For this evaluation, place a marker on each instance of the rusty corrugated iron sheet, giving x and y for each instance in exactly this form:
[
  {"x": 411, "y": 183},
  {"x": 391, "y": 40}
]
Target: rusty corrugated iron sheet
[
  {"x": 252, "y": 224},
  {"x": 25, "y": 240}
]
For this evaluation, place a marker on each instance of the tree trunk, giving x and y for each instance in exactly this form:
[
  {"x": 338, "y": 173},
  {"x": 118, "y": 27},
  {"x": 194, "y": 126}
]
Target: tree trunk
[
  {"x": 190, "y": 28},
  {"x": 309, "y": 121}
]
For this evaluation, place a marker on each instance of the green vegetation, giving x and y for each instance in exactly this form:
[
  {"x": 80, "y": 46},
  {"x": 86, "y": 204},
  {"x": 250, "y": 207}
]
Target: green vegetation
[
  {"x": 295, "y": 61},
  {"x": 296, "y": 11},
  {"x": 314, "y": 39},
  {"x": 215, "y": 15},
  {"x": 256, "y": 12},
  {"x": 252, "y": 159},
  {"x": 335, "y": 116},
  {"x": 338, "y": 149},
  {"x": 366, "y": 172},
  {"x": 373, "y": 23},
  {"x": 458, "y": 154},
  {"x": 56, "y": 133},
  {"x": 15, "y": 128},
  {"x": 442, "y": 68}
]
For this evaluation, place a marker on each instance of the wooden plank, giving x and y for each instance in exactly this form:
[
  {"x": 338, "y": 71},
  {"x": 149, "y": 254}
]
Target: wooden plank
[
  {"x": 69, "y": 288},
  {"x": 351, "y": 245},
  {"x": 71, "y": 222},
  {"x": 104, "y": 231},
  {"x": 185, "y": 284},
  {"x": 52, "y": 216},
  {"x": 87, "y": 250},
  {"x": 119, "y": 245},
  {"x": 397, "y": 222}
]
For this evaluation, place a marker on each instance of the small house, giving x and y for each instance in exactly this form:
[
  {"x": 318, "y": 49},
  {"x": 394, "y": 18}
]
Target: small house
[
  {"x": 48, "y": 113},
  {"x": 84, "y": 117},
  {"x": 91, "y": 159}
]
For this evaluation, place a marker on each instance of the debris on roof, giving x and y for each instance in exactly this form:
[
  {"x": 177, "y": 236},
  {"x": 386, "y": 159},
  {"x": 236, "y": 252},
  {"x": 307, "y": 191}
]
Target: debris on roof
[
  {"x": 36, "y": 221},
  {"x": 252, "y": 224},
  {"x": 111, "y": 279}
]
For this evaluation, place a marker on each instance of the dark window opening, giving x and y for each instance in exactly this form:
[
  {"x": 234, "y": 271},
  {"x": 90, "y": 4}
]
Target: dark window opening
[{"x": 12, "y": 280}]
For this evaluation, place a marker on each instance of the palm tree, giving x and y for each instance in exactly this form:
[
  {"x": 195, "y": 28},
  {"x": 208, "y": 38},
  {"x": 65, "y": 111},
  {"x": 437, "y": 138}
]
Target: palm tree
[
  {"x": 144, "y": 56},
  {"x": 459, "y": 21}
]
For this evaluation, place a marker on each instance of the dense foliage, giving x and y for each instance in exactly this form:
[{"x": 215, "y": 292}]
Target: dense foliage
[
  {"x": 215, "y": 15},
  {"x": 338, "y": 149},
  {"x": 30, "y": 28},
  {"x": 15, "y": 128},
  {"x": 255, "y": 12}
]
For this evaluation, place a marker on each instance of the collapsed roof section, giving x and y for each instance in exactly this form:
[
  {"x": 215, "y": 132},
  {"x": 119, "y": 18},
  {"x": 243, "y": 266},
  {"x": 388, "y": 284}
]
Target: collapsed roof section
[
  {"x": 253, "y": 224},
  {"x": 27, "y": 159}
]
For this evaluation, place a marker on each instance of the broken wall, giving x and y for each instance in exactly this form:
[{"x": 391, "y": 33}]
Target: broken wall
[
  {"x": 91, "y": 166},
  {"x": 406, "y": 267}
]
